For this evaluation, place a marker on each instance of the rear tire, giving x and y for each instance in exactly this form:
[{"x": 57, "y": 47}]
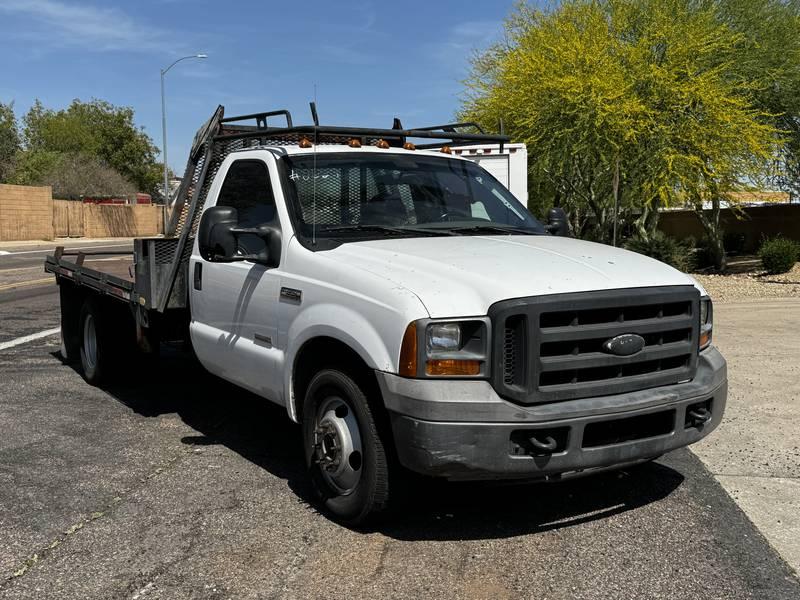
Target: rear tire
[
  {"x": 345, "y": 455},
  {"x": 95, "y": 349},
  {"x": 66, "y": 354}
]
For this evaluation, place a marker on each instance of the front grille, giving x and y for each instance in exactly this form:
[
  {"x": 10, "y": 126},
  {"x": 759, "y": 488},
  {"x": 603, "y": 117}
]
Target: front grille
[
  {"x": 550, "y": 348},
  {"x": 514, "y": 350}
]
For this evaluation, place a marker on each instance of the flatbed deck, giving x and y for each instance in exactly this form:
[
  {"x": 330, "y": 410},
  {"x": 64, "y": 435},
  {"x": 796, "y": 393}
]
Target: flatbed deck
[{"x": 107, "y": 272}]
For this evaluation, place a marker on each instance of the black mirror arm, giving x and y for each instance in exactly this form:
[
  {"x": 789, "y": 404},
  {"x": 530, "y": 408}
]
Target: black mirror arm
[
  {"x": 238, "y": 258},
  {"x": 250, "y": 230}
]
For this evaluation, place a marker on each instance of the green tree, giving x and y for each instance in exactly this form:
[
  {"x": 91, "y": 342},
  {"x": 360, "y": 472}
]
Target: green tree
[
  {"x": 639, "y": 104},
  {"x": 95, "y": 129},
  {"x": 770, "y": 51},
  {"x": 32, "y": 165},
  {"x": 9, "y": 141}
]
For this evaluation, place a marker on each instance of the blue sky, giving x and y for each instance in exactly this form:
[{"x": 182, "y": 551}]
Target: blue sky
[{"x": 370, "y": 60}]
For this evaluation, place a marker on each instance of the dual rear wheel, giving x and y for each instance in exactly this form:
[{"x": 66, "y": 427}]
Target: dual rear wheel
[{"x": 104, "y": 341}]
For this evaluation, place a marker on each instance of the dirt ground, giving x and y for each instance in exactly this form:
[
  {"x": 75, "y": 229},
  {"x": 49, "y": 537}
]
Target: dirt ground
[{"x": 747, "y": 280}]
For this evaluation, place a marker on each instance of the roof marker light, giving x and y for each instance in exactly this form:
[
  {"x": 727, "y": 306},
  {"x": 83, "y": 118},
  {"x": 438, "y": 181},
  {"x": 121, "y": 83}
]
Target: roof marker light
[
  {"x": 446, "y": 150},
  {"x": 383, "y": 144},
  {"x": 354, "y": 143},
  {"x": 409, "y": 146},
  {"x": 305, "y": 143}
]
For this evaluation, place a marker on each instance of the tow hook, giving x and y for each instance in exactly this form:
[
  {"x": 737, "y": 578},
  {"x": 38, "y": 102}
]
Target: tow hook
[
  {"x": 547, "y": 445},
  {"x": 699, "y": 416}
]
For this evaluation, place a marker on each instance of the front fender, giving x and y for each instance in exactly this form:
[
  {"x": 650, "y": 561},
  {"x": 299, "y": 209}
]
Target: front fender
[{"x": 351, "y": 328}]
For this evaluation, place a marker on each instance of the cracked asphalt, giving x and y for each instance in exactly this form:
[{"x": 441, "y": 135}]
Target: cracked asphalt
[{"x": 179, "y": 485}]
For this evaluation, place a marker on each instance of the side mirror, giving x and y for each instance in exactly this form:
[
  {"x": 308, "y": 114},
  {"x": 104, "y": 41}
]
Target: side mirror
[
  {"x": 218, "y": 238},
  {"x": 215, "y": 236},
  {"x": 557, "y": 223}
]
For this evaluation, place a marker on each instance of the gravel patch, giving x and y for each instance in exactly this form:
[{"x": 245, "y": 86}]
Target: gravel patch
[{"x": 756, "y": 284}]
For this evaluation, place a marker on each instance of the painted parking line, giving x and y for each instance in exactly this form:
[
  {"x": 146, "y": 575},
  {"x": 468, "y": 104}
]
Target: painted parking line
[
  {"x": 29, "y": 338},
  {"x": 19, "y": 284}
]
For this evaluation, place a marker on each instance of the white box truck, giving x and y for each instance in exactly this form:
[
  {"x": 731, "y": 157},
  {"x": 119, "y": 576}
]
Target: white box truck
[{"x": 507, "y": 163}]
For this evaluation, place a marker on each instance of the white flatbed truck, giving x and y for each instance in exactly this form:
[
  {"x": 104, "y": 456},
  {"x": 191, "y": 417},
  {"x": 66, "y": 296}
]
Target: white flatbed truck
[{"x": 406, "y": 310}]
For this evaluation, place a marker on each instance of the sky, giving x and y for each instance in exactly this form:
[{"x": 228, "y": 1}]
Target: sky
[{"x": 370, "y": 61}]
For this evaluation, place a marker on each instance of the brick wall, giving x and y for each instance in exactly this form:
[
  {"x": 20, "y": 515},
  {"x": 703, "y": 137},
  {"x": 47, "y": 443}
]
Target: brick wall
[
  {"x": 26, "y": 213},
  {"x": 121, "y": 221},
  {"x": 30, "y": 213},
  {"x": 106, "y": 220}
]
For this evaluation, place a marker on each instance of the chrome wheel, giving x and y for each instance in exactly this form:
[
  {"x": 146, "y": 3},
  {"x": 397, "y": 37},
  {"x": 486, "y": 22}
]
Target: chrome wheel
[
  {"x": 90, "y": 341},
  {"x": 337, "y": 445}
]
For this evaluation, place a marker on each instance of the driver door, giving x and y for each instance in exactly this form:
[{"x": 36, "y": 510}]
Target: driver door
[{"x": 234, "y": 327}]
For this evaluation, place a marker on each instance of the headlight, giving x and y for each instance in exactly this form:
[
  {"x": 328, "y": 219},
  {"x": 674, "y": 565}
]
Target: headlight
[
  {"x": 706, "y": 322},
  {"x": 445, "y": 349},
  {"x": 443, "y": 337}
]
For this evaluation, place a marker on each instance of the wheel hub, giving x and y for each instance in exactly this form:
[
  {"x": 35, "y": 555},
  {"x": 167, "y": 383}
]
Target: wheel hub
[{"x": 337, "y": 445}]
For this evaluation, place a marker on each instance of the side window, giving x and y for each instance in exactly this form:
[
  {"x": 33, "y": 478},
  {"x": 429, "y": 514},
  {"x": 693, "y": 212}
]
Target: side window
[{"x": 248, "y": 189}]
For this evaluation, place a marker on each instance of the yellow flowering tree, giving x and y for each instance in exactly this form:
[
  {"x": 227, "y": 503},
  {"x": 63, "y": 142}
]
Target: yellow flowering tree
[{"x": 628, "y": 104}]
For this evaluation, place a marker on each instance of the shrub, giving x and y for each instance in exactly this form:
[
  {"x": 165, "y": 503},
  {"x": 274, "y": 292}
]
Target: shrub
[
  {"x": 658, "y": 245},
  {"x": 778, "y": 254}
]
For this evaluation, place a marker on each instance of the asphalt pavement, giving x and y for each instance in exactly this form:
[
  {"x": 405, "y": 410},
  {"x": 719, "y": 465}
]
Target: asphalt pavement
[{"x": 175, "y": 484}]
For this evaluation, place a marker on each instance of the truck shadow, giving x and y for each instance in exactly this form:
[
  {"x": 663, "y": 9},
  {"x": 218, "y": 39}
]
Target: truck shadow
[{"x": 430, "y": 509}]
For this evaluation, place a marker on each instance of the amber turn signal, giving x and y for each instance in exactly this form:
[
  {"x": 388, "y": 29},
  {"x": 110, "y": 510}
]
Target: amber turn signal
[
  {"x": 705, "y": 338},
  {"x": 408, "y": 352},
  {"x": 452, "y": 367}
]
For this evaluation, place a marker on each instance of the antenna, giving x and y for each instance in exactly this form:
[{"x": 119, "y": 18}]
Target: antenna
[{"x": 315, "y": 118}]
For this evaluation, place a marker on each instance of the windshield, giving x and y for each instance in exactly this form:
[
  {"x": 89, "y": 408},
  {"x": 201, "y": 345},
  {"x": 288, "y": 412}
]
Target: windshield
[{"x": 361, "y": 195}]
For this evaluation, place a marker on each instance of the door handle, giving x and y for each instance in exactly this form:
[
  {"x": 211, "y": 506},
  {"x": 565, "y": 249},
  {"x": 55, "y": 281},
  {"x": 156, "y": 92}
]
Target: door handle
[{"x": 198, "y": 276}]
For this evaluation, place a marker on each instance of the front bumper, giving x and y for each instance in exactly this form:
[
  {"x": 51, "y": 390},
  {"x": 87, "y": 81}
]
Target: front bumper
[{"x": 464, "y": 430}]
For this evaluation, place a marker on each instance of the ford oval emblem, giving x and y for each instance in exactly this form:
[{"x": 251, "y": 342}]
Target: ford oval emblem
[{"x": 624, "y": 345}]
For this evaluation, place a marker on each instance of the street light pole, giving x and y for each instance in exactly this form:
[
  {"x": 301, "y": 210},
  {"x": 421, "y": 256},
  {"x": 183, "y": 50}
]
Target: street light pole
[{"x": 167, "y": 195}]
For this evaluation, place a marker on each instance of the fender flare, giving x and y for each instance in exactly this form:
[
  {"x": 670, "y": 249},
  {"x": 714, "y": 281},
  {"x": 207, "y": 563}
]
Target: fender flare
[{"x": 315, "y": 323}]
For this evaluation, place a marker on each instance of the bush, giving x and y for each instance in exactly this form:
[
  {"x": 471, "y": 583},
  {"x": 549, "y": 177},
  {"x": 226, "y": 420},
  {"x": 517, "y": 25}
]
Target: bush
[
  {"x": 778, "y": 255},
  {"x": 676, "y": 253}
]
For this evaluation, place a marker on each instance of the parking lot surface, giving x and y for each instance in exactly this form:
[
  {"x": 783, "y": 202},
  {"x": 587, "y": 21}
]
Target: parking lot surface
[{"x": 178, "y": 485}]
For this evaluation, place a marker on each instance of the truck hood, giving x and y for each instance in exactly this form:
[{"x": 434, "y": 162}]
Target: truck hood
[{"x": 462, "y": 276}]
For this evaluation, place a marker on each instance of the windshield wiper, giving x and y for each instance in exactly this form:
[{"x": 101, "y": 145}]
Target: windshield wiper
[
  {"x": 385, "y": 229},
  {"x": 509, "y": 229}
]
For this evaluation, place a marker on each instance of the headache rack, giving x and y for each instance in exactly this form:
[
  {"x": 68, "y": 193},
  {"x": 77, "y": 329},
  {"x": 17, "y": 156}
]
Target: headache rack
[{"x": 161, "y": 264}]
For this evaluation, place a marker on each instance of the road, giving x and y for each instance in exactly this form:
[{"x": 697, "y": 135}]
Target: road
[
  {"x": 178, "y": 485},
  {"x": 25, "y": 285}
]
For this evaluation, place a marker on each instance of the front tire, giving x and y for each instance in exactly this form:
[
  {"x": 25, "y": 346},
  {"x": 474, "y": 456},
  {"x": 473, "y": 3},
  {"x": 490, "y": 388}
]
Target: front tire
[{"x": 345, "y": 456}]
